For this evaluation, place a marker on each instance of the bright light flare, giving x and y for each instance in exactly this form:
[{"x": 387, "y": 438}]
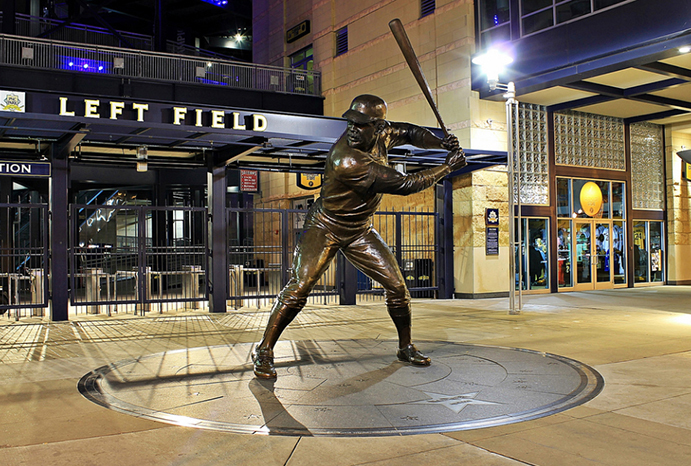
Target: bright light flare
[
  {"x": 493, "y": 62},
  {"x": 684, "y": 319}
]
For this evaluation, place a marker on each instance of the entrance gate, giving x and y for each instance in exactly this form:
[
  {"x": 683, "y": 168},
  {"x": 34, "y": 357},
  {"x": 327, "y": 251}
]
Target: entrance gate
[
  {"x": 138, "y": 258},
  {"x": 23, "y": 259}
]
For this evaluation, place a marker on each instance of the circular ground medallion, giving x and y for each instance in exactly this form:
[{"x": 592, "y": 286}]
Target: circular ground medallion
[{"x": 344, "y": 388}]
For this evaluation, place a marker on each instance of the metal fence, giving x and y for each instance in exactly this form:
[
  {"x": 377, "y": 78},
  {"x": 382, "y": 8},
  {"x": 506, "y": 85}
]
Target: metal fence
[
  {"x": 32, "y": 26},
  {"x": 261, "y": 244},
  {"x": 81, "y": 58},
  {"x": 55, "y": 29},
  {"x": 412, "y": 238},
  {"x": 23, "y": 260},
  {"x": 260, "y": 252},
  {"x": 138, "y": 258}
]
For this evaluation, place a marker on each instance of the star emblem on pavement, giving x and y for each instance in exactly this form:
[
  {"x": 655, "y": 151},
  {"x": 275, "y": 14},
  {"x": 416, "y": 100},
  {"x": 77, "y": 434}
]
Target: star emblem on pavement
[{"x": 455, "y": 403}]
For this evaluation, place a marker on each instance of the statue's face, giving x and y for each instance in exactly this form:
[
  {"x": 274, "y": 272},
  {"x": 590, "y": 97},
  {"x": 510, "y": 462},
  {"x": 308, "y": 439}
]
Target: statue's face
[{"x": 361, "y": 136}]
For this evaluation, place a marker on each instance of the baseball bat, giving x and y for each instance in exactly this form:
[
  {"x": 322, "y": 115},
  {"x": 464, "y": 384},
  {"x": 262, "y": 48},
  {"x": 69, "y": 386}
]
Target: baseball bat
[{"x": 414, "y": 65}]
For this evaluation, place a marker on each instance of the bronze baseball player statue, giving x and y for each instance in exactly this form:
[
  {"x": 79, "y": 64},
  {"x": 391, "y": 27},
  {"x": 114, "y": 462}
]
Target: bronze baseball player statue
[{"x": 356, "y": 176}]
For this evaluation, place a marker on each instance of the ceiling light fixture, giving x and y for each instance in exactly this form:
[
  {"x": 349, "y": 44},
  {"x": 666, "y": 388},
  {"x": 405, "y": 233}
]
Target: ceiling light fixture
[{"x": 685, "y": 49}]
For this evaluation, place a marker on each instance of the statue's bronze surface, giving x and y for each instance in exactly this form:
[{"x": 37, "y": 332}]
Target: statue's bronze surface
[{"x": 356, "y": 176}]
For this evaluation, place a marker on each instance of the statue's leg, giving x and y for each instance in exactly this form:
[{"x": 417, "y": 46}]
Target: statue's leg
[
  {"x": 372, "y": 256},
  {"x": 312, "y": 256}
]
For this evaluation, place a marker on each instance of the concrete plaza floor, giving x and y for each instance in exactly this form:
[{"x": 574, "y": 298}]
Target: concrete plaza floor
[{"x": 638, "y": 339}]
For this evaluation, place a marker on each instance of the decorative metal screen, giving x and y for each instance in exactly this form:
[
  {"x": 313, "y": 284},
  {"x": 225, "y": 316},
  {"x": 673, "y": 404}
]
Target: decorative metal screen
[
  {"x": 530, "y": 146},
  {"x": 586, "y": 140},
  {"x": 647, "y": 158}
]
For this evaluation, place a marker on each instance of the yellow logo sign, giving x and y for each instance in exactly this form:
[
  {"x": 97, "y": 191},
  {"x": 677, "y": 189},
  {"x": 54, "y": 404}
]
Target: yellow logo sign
[
  {"x": 309, "y": 180},
  {"x": 591, "y": 198}
]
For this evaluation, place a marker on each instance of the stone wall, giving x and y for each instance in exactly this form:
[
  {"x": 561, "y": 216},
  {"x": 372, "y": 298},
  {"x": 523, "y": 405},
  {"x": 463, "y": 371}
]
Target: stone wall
[{"x": 678, "y": 207}]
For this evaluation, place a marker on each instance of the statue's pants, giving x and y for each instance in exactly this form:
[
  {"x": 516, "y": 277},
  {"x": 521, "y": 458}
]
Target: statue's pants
[{"x": 365, "y": 249}]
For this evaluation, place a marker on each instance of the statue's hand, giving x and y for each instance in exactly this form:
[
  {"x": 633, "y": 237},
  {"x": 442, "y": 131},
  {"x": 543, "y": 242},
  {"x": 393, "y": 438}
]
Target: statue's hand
[
  {"x": 456, "y": 159},
  {"x": 450, "y": 143}
]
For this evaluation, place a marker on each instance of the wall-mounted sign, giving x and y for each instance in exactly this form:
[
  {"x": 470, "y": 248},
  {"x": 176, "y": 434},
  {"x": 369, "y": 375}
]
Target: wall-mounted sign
[
  {"x": 687, "y": 171},
  {"x": 492, "y": 241},
  {"x": 13, "y": 168},
  {"x": 249, "y": 181},
  {"x": 309, "y": 180},
  {"x": 492, "y": 216},
  {"x": 11, "y": 101},
  {"x": 298, "y": 31},
  {"x": 591, "y": 198},
  {"x": 137, "y": 111}
]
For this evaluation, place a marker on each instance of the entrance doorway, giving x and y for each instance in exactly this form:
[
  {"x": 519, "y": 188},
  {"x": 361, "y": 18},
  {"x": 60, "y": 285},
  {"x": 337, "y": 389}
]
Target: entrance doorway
[{"x": 593, "y": 247}]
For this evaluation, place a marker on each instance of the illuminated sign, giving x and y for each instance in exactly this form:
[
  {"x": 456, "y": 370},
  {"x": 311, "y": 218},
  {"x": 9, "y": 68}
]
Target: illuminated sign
[
  {"x": 16, "y": 168},
  {"x": 298, "y": 31},
  {"x": 119, "y": 110},
  {"x": 309, "y": 180},
  {"x": 11, "y": 101},
  {"x": 687, "y": 171},
  {"x": 591, "y": 198}
]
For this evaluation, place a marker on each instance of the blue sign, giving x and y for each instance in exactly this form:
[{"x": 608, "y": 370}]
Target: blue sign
[
  {"x": 16, "y": 168},
  {"x": 492, "y": 216}
]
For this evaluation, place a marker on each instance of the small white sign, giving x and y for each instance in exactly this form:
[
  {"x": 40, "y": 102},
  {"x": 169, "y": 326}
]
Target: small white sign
[{"x": 11, "y": 101}]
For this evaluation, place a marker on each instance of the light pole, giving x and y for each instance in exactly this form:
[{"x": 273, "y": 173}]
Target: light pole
[{"x": 492, "y": 63}]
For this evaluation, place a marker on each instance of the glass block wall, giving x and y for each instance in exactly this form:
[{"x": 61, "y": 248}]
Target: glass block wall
[
  {"x": 586, "y": 140},
  {"x": 647, "y": 159},
  {"x": 531, "y": 161}
]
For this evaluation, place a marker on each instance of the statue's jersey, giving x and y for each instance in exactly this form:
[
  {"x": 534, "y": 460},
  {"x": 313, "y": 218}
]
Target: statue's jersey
[{"x": 354, "y": 181}]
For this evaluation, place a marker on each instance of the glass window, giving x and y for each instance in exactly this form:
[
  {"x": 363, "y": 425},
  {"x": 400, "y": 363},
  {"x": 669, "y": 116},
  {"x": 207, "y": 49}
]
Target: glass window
[
  {"x": 655, "y": 248},
  {"x": 640, "y": 252},
  {"x": 570, "y": 10},
  {"x": 579, "y": 209},
  {"x": 618, "y": 200},
  {"x": 537, "y": 22},
  {"x": 587, "y": 140},
  {"x": 600, "y": 4},
  {"x": 530, "y": 143},
  {"x": 496, "y": 35},
  {"x": 535, "y": 249},
  {"x": 302, "y": 60},
  {"x": 564, "y": 197},
  {"x": 564, "y": 277},
  {"x": 647, "y": 166},
  {"x": 602, "y": 243},
  {"x": 604, "y": 188},
  {"x": 583, "y": 252},
  {"x": 530, "y": 6},
  {"x": 619, "y": 252},
  {"x": 493, "y": 13}
]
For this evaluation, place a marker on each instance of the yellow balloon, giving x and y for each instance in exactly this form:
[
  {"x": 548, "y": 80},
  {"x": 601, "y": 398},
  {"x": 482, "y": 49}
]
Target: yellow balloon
[{"x": 591, "y": 198}]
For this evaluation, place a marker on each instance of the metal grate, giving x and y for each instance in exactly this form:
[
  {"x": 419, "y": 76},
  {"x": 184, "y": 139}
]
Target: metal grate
[
  {"x": 427, "y": 7},
  {"x": 342, "y": 41}
]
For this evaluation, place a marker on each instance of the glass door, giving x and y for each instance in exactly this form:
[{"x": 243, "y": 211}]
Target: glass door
[
  {"x": 602, "y": 254},
  {"x": 584, "y": 250},
  {"x": 593, "y": 248}
]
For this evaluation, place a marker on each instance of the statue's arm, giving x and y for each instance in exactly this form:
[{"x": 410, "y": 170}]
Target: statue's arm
[
  {"x": 407, "y": 133},
  {"x": 389, "y": 181}
]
